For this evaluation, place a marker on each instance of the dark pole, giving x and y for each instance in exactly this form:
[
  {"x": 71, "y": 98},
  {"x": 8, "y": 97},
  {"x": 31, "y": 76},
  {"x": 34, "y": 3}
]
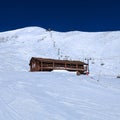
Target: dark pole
[{"x": 88, "y": 65}]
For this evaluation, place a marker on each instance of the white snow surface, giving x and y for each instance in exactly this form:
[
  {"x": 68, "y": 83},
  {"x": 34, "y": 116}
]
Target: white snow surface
[{"x": 59, "y": 95}]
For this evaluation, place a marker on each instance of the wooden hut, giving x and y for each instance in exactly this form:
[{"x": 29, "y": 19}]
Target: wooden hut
[{"x": 45, "y": 64}]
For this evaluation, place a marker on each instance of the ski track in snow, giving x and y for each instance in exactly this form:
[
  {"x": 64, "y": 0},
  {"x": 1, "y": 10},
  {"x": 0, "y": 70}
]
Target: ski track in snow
[{"x": 57, "y": 96}]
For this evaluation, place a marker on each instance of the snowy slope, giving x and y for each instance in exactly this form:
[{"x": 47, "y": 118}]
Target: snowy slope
[
  {"x": 59, "y": 95},
  {"x": 18, "y": 46}
]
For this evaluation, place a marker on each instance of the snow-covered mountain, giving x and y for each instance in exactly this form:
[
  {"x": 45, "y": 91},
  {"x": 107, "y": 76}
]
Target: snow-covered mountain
[
  {"x": 18, "y": 46},
  {"x": 59, "y": 95}
]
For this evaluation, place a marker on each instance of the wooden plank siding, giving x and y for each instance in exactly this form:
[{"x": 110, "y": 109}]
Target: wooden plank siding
[{"x": 46, "y": 64}]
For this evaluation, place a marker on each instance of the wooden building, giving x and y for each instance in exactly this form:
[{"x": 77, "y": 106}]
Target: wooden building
[{"x": 45, "y": 64}]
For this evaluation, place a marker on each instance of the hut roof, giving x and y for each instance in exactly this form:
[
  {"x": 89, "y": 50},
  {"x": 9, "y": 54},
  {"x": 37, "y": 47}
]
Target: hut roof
[{"x": 58, "y": 61}]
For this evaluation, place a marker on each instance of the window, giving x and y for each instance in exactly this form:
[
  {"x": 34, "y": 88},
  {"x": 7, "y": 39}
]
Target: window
[{"x": 33, "y": 65}]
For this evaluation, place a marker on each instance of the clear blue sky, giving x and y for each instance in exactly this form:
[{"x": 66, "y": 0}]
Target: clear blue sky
[{"x": 61, "y": 15}]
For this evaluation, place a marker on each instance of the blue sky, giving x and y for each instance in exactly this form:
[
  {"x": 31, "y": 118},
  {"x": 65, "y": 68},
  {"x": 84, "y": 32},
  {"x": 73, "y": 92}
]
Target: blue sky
[{"x": 61, "y": 15}]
